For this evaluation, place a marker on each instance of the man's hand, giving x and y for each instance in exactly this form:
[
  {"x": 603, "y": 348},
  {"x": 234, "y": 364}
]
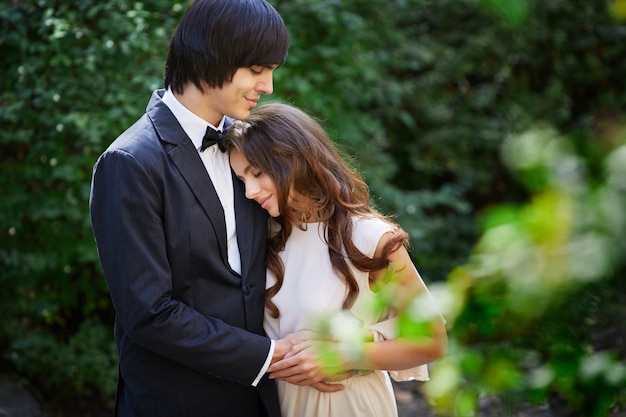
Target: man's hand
[{"x": 284, "y": 346}]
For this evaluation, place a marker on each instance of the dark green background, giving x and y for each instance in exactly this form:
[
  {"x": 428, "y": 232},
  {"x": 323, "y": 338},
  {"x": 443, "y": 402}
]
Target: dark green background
[{"x": 423, "y": 93}]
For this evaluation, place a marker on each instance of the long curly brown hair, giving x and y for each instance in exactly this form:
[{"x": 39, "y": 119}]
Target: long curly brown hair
[{"x": 311, "y": 174}]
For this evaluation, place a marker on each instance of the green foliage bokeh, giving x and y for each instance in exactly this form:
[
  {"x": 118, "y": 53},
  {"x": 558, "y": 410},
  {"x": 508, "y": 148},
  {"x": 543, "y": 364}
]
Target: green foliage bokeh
[{"x": 423, "y": 93}]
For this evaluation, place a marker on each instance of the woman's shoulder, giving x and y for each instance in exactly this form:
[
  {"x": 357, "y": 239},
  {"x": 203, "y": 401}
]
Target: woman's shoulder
[
  {"x": 368, "y": 230},
  {"x": 372, "y": 221}
]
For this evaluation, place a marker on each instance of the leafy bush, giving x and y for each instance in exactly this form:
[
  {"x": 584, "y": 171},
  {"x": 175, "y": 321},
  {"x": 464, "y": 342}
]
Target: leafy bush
[
  {"x": 85, "y": 365},
  {"x": 75, "y": 74},
  {"x": 422, "y": 93}
]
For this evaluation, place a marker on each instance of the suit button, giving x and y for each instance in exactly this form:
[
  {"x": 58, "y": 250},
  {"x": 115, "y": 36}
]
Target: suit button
[{"x": 246, "y": 289}]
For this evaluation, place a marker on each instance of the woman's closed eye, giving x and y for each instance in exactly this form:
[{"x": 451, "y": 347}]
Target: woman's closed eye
[{"x": 256, "y": 173}]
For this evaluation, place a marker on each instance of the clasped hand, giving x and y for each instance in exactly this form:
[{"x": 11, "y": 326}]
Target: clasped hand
[{"x": 305, "y": 362}]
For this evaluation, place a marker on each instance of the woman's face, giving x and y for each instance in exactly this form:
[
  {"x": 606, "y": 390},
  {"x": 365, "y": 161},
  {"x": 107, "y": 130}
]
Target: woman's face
[{"x": 259, "y": 186}]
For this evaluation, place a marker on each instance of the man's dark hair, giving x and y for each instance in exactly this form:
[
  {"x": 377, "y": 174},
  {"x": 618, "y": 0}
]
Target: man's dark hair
[{"x": 217, "y": 37}]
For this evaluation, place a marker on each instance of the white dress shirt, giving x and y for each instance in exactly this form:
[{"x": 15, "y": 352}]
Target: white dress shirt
[{"x": 218, "y": 167}]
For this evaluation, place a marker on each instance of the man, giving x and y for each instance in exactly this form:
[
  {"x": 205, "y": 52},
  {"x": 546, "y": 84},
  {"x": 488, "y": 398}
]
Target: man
[{"x": 181, "y": 247}]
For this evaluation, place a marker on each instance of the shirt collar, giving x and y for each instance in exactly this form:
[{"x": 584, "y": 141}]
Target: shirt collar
[{"x": 193, "y": 125}]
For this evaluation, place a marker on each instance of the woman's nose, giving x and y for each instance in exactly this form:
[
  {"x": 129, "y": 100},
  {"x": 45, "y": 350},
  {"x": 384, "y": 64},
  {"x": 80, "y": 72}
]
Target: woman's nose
[{"x": 251, "y": 190}]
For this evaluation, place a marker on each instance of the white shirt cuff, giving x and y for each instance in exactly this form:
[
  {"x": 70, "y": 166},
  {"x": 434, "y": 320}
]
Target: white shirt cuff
[{"x": 265, "y": 365}]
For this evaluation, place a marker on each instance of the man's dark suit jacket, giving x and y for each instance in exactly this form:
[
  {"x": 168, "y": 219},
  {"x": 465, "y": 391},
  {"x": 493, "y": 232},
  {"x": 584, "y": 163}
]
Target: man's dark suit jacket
[{"x": 189, "y": 329}]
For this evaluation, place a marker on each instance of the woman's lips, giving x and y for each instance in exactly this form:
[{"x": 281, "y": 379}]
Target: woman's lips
[{"x": 263, "y": 201}]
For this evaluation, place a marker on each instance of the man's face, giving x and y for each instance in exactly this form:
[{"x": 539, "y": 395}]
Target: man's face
[{"x": 237, "y": 98}]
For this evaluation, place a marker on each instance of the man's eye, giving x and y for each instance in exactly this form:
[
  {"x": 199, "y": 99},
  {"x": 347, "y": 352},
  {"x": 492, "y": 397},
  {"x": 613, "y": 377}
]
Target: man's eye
[{"x": 256, "y": 70}]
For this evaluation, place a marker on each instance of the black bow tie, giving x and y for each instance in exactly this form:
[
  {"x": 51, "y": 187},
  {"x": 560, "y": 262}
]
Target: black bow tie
[{"x": 211, "y": 137}]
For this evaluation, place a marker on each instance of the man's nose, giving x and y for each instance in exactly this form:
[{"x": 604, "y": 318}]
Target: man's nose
[{"x": 266, "y": 83}]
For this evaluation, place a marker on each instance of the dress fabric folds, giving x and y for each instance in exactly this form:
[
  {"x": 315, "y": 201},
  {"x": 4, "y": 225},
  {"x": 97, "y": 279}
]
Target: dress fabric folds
[{"x": 311, "y": 288}]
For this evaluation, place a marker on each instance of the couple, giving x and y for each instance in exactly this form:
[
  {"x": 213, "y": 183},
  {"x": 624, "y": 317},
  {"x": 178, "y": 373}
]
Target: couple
[{"x": 184, "y": 252}]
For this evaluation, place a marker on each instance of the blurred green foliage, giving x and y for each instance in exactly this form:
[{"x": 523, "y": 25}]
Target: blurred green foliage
[
  {"x": 425, "y": 95},
  {"x": 535, "y": 312}
]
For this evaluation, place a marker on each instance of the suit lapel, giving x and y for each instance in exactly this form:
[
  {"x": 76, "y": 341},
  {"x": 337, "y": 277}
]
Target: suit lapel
[
  {"x": 244, "y": 216},
  {"x": 187, "y": 160}
]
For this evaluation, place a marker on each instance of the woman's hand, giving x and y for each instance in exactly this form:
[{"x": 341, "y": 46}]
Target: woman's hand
[{"x": 310, "y": 362}]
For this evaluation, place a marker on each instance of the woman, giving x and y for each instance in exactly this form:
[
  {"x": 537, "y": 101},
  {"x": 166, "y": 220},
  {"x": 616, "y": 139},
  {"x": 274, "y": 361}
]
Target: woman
[{"x": 328, "y": 250}]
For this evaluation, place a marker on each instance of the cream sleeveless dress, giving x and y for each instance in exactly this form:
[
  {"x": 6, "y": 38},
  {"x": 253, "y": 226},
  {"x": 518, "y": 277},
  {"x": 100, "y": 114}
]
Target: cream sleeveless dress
[{"x": 312, "y": 287}]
